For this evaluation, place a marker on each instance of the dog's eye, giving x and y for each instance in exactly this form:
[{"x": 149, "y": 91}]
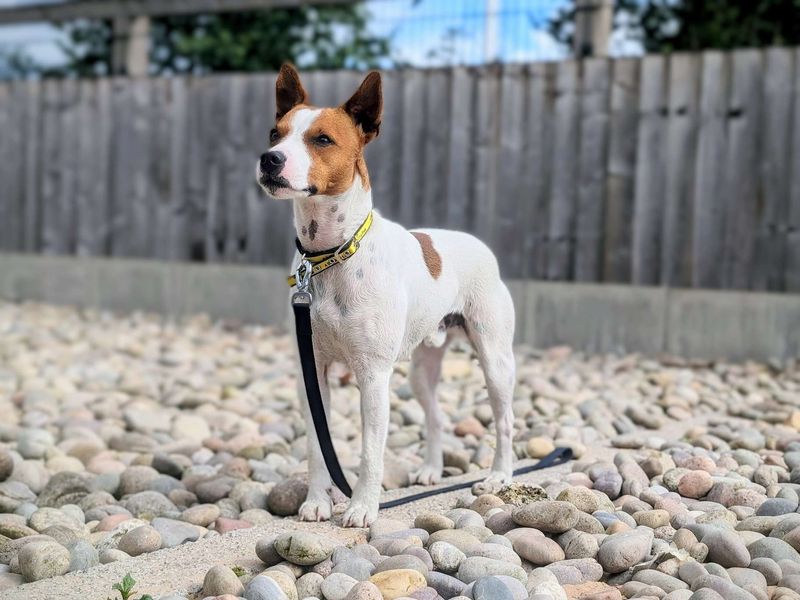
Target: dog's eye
[
  {"x": 273, "y": 135},
  {"x": 323, "y": 140}
]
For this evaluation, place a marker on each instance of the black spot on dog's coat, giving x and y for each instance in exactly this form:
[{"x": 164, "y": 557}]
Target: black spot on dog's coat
[{"x": 312, "y": 229}]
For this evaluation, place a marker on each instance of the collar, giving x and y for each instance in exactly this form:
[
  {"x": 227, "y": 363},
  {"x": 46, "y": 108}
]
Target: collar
[{"x": 327, "y": 258}]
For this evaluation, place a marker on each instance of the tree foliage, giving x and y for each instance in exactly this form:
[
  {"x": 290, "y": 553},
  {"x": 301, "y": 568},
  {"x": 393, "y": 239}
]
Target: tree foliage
[
  {"x": 667, "y": 25},
  {"x": 325, "y": 37}
]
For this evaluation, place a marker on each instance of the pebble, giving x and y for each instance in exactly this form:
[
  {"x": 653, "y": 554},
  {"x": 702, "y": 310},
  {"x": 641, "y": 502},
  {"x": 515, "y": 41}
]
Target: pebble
[
  {"x": 222, "y": 580},
  {"x": 41, "y": 560},
  {"x": 140, "y": 541},
  {"x": 263, "y": 588},
  {"x": 551, "y": 516},
  {"x": 397, "y": 583},
  {"x": 621, "y": 551}
]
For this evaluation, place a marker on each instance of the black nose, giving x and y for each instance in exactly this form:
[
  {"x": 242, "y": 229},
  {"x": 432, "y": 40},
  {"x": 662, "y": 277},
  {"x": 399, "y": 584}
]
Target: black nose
[{"x": 272, "y": 161}]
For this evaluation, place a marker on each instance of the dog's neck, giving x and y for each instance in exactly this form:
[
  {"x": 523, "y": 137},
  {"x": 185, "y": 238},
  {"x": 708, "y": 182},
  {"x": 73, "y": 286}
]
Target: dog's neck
[{"x": 324, "y": 222}]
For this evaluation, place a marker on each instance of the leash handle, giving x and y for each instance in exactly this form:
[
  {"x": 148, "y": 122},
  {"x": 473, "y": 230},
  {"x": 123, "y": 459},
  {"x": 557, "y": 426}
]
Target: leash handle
[{"x": 301, "y": 304}]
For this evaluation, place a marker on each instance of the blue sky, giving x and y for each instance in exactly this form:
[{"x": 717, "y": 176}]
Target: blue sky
[{"x": 424, "y": 32}]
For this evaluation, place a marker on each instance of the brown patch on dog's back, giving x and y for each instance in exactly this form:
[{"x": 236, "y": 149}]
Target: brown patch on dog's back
[{"x": 429, "y": 254}]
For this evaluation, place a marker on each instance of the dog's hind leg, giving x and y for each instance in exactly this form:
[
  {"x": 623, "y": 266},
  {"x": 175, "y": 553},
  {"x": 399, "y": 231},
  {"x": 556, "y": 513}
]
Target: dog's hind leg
[
  {"x": 426, "y": 366},
  {"x": 318, "y": 505},
  {"x": 490, "y": 327}
]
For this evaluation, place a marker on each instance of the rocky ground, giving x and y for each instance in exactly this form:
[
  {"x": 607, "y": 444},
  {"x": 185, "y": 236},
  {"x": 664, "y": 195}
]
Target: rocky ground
[{"x": 124, "y": 436}]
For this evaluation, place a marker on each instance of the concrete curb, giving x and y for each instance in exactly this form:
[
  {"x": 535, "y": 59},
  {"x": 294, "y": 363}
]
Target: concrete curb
[{"x": 596, "y": 318}]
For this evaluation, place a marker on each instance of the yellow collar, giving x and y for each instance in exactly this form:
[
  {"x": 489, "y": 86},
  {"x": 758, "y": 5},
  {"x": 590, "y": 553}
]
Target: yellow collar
[{"x": 328, "y": 258}]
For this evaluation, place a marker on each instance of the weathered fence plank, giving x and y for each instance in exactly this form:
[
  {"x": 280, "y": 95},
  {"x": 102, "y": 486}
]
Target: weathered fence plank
[
  {"x": 775, "y": 171},
  {"x": 674, "y": 171},
  {"x": 793, "y": 212},
  {"x": 564, "y": 171},
  {"x": 592, "y": 169},
  {"x": 681, "y": 140},
  {"x": 708, "y": 224},
  {"x": 509, "y": 230},
  {"x": 648, "y": 210},
  {"x": 535, "y": 170},
  {"x": 620, "y": 170},
  {"x": 742, "y": 165}
]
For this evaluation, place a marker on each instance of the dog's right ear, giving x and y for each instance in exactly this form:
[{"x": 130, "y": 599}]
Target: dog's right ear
[{"x": 289, "y": 92}]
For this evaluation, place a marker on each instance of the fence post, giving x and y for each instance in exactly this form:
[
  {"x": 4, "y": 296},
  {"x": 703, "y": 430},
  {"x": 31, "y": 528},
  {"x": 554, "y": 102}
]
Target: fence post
[
  {"x": 593, "y": 21},
  {"x": 130, "y": 53}
]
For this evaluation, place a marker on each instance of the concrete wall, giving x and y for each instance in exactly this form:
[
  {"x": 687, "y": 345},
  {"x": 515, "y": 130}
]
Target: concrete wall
[{"x": 596, "y": 318}]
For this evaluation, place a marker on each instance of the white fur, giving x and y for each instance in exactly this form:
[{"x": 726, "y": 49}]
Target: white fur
[
  {"x": 298, "y": 159},
  {"x": 382, "y": 305}
]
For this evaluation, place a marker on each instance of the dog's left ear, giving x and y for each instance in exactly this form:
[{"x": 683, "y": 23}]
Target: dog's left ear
[
  {"x": 366, "y": 105},
  {"x": 289, "y": 92}
]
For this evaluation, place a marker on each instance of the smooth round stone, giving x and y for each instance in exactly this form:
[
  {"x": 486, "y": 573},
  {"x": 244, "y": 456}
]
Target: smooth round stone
[
  {"x": 660, "y": 580},
  {"x": 621, "y": 551},
  {"x": 768, "y": 568},
  {"x": 140, "y": 541},
  {"x": 336, "y": 586},
  {"x": 309, "y": 585},
  {"x": 551, "y": 516},
  {"x": 459, "y": 538},
  {"x": 695, "y": 484},
  {"x": 581, "y": 498},
  {"x": 82, "y": 556},
  {"x": 497, "y": 552},
  {"x": 402, "y": 562},
  {"x": 285, "y": 578},
  {"x": 42, "y": 560},
  {"x": 776, "y": 507},
  {"x": 201, "y": 514},
  {"x": 751, "y": 581},
  {"x": 263, "y": 588},
  {"x": 287, "y": 496},
  {"x": 773, "y": 548},
  {"x": 578, "y": 544},
  {"x": 432, "y": 522},
  {"x": 652, "y": 518},
  {"x": 174, "y": 533},
  {"x": 447, "y": 586},
  {"x": 446, "y": 557},
  {"x": 397, "y": 583},
  {"x": 726, "y": 548},
  {"x": 49, "y": 517},
  {"x": 34, "y": 443},
  {"x": 149, "y": 504},
  {"x": 538, "y": 550},
  {"x": 364, "y": 590},
  {"x": 302, "y": 548},
  {"x": 222, "y": 580},
  {"x": 723, "y": 587},
  {"x": 359, "y": 569},
  {"x": 490, "y": 588},
  {"x": 471, "y": 568}
]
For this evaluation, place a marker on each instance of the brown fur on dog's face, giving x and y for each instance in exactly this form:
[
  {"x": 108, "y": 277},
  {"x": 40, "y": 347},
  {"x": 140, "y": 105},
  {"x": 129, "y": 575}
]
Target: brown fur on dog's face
[{"x": 319, "y": 151}]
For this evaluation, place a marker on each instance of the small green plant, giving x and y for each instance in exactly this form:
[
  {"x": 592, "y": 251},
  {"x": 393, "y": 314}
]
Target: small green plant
[
  {"x": 125, "y": 589},
  {"x": 238, "y": 571}
]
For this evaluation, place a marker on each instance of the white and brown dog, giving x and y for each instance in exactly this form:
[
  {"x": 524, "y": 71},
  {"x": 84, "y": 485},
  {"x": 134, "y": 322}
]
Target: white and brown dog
[{"x": 404, "y": 293}]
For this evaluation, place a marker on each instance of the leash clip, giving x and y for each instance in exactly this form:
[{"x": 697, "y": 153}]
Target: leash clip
[{"x": 303, "y": 297}]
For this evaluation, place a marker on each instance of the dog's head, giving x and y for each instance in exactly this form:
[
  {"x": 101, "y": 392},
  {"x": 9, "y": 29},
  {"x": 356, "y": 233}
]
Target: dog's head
[{"x": 318, "y": 151}]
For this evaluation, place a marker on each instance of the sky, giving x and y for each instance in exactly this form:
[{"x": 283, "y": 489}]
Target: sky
[{"x": 423, "y": 32}]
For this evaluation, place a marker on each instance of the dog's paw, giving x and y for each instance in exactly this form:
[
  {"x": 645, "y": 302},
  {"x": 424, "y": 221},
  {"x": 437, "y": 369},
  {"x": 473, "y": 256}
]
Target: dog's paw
[
  {"x": 359, "y": 515},
  {"x": 492, "y": 484},
  {"x": 315, "y": 510},
  {"x": 426, "y": 475}
]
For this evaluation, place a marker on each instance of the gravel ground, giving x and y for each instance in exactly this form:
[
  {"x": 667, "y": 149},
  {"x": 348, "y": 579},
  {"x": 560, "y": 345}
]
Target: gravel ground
[{"x": 126, "y": 436}]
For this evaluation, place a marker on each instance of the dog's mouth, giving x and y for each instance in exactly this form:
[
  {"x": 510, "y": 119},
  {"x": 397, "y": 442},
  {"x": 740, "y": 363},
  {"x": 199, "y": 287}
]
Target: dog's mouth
[{"x": 273, "y": 183}]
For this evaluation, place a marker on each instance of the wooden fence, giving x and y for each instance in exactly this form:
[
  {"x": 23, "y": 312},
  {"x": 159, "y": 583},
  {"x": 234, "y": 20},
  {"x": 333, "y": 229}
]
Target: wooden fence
[{"x": 679, "y": 171}]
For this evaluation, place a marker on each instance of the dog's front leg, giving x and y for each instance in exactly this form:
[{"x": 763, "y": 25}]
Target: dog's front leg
[
  {"x": 363, "y": 509},
  {"x": 318, "y": 505}
]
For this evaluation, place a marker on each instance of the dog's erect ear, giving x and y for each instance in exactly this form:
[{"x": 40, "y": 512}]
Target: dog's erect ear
[
  {"x": 289, "y": 92},
  {"x": 366, "y": 105}
]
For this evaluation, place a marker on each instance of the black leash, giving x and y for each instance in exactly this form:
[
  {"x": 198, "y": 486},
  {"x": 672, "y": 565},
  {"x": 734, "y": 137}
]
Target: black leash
[{"x": 301, "y": 304}]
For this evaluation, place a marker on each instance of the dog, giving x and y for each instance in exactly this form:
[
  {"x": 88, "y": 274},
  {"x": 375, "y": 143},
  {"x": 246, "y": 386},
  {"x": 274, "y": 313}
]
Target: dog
[{"x": 402, "y": 294}]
